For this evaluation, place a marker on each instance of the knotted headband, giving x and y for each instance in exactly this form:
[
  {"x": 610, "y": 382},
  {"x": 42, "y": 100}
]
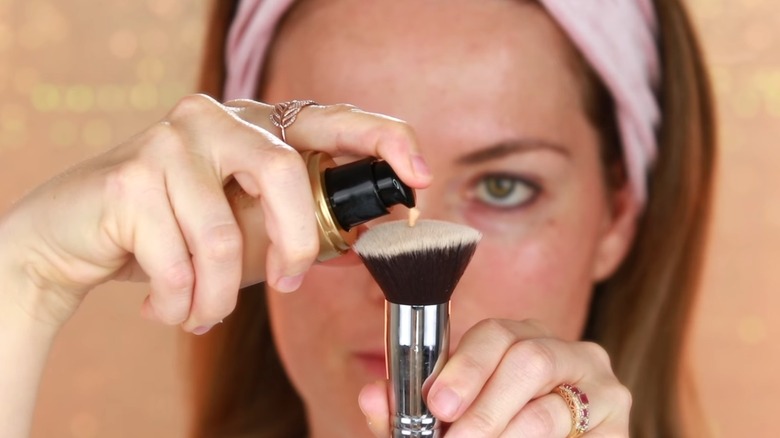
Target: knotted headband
[{"x": 616, "y": 37}]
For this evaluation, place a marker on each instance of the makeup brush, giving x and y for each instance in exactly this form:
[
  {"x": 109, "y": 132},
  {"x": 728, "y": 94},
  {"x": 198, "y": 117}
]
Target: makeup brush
[{"x": 417, "y": 268}]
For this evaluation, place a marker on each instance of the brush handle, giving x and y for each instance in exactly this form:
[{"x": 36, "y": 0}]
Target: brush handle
[{"x": 418, "y": 340}]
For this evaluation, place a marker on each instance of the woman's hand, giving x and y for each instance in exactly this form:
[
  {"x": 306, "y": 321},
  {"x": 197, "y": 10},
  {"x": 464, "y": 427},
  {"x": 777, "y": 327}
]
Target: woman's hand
[
  {"x": 499, "y": 383},
  {"x": 154, "y": 209}
]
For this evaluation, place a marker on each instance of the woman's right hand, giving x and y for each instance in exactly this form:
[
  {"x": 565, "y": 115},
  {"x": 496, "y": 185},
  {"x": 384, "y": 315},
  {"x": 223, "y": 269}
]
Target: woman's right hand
[{"x": 154, "y": 208}]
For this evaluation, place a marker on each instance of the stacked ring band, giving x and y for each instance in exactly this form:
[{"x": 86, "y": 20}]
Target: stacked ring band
[{"x": 578, "y": 405}]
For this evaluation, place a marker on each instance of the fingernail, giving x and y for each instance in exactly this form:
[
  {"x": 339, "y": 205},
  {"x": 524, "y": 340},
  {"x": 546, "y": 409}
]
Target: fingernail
[
  {"x": 447, "y": 402},
  {"x": 289, "y": 284},
  {"x": 420, "y": 166},
  {"x": 202, "y": 330}
]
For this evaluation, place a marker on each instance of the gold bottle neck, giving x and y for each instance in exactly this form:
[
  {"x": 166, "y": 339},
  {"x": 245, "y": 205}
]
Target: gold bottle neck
[{"x": 334, "y": 241}]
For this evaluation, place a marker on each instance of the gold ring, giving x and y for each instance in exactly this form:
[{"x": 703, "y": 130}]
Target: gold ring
[
  {"x": 578, "y": 405},
  {"x": 285, "y": 113}
]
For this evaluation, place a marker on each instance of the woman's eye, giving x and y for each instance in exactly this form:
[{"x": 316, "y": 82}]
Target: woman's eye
[{"x": 503, "y": 191}]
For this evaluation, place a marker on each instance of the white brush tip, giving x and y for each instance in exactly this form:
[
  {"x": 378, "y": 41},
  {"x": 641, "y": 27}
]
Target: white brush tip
[{"x": 394, "y": 238}]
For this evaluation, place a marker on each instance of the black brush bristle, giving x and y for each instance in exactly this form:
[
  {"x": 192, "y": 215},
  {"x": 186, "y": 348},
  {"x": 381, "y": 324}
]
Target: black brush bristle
[{"x": 418, "y": 265}]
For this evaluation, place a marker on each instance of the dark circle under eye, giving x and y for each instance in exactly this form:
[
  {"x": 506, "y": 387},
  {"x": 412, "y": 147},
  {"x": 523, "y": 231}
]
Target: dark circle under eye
[{"x": 503, "y": 191}]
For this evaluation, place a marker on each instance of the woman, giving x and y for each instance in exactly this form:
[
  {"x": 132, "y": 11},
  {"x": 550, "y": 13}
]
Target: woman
[{"x": 533, "y": 137}]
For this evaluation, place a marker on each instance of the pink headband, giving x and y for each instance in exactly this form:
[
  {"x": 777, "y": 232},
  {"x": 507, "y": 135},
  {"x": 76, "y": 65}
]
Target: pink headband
[{"x": 617, "y": 38}]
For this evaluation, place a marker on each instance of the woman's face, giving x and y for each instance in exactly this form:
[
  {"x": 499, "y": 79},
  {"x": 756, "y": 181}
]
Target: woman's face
[{"x": 493, "y": 94}]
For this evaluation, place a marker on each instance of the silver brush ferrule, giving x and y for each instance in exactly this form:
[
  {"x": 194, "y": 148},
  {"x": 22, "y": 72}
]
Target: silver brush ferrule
[{"x": 418, "y": 340}]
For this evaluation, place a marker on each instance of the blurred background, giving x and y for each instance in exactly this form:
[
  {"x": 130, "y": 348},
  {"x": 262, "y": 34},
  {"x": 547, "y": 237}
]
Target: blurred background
[{"x": 77, "y": 76}]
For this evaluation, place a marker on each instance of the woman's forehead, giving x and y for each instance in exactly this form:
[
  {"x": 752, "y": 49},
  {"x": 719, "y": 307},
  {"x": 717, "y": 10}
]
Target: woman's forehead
[{"x": 468, "y": 49}]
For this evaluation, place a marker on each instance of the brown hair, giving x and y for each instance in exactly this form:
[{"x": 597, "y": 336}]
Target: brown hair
[{"x": 640, "y": 315}]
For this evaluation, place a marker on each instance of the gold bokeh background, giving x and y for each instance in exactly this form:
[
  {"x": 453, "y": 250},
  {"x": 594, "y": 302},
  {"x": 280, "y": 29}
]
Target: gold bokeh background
[{"x": 77, "y": 76}]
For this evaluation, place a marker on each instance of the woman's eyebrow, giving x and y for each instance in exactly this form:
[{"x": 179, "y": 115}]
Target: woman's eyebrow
[{"x": 508, "y": 147}]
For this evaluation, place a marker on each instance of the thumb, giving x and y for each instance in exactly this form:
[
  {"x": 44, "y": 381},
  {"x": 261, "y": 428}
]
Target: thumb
[{"x": 373, "y": 403}]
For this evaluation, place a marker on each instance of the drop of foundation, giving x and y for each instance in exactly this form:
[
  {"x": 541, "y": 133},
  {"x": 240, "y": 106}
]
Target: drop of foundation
[{"x": 414, "y": 214}]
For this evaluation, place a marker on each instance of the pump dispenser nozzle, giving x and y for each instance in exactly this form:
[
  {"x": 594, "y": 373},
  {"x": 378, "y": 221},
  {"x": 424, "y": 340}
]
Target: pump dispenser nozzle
[
  {"x": 364, "y": 190},
  {"x": 350, "y": 194}
]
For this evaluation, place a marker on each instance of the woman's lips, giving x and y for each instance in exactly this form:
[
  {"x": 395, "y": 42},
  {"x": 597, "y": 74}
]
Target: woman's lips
[{"x": 373, "y": 363}]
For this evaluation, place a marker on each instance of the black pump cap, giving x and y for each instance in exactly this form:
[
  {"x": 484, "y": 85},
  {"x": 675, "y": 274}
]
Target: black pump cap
[{"x": 364, "y": 190}]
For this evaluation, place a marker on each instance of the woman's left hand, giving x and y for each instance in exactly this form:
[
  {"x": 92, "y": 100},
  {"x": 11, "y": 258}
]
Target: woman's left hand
[{"x": 500, "y": 381}]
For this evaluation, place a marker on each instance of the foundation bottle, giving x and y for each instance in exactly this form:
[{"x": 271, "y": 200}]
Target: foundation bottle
[{"x": 344, "y": 197}]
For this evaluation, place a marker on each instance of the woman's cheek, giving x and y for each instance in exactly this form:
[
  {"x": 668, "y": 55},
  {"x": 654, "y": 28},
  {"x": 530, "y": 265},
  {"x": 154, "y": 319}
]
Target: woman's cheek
[{"x": 518, "y": 281}]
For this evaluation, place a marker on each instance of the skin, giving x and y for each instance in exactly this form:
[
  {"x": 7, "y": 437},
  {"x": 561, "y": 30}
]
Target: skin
[
  {"x": 154, "y": 209},
  {"x": 500, "y": 81}
]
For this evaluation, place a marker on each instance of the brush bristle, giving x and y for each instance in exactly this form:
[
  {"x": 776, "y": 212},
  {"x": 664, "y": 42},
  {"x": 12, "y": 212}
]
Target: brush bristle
[{"x": 418, "y": 265}]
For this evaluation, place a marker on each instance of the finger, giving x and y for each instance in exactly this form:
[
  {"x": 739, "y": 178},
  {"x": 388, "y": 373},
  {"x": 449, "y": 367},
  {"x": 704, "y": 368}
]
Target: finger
[
  {"x": 160, "y": 250},
  {"x": 547, "y": 416},
  {"x": 479, "y": 353},
  {"x": 212, "y": 236},
  {"x": 373, "y": 402},
  {"x": 343, "y": 129},
  {"x": 550, "y": 415},
  {"x": 289, "y": 215},
  {"x": 282, "y": 184}
]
